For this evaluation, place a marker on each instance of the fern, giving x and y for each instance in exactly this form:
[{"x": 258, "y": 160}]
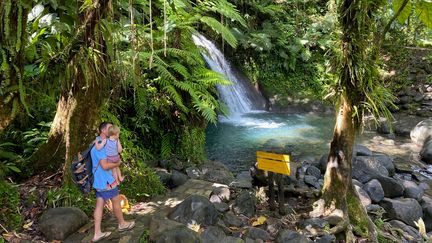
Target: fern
[{"x": 220, "y": 29}]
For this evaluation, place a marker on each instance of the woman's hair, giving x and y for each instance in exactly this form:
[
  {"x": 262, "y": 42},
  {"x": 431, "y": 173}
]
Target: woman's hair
[{"x": 113, "y": 130}]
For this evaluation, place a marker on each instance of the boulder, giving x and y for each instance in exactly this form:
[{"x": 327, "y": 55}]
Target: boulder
[
  {"x": 387, "y": 162},
  {"x": 374, "y": 208},
  {"x": 317, "y": 223},
  {"x": 178, "y": 178},
  {"x": 407, "y": 210},
  {"x": 289, "y": 236},
  {"x": 311, "y": 181},
  {"x": 421, "y": 131},
  {"x": 362, "y": 172},
  {"x": 213, "y": 234},
  {"x": 373, "y": 163},
  {"x": 257, "y": 234},
  {"x": 374, "y": 190},
  {"x": 323, "y": 163},
  {"x": 392, "y": 187},
  {"x": 220, "y": 194},
  {"x": 164, "y": 176},
  {"x": 412, "y": 234},
  {"x": 59, "y": 223},
  {"x": 244, "y": 204},
  {"x": 169, "y": 231},
  {"x": 221, "y": 207},
  {"x": 412, "y": 190},
  {"x": 424, "y": 186},
  {"x": 364, "y": 197},
  {"x": 427, "y": 211},
  {"x": 383, "y": 126},
  {"x": 313, "y": 171},
  {"x": 243, "y": 180},
  {"x": 360, "y": 150},
  {"x": 193, "y": 172},
  {"x": 216, "y": 172},
  {"x": 231, "y": 220},
  {"x": 426, "y": 151},
  {"x": 356, "y": 182},
  {"x": 326, "y": 239},
  {"x": 195, "y": 208}
]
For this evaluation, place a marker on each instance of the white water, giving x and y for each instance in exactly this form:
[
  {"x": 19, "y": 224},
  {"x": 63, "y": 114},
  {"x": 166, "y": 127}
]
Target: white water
[{"x": 240, "y": 97}]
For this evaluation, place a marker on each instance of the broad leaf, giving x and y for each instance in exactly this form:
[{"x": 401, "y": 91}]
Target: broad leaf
[
  {"x": 424, "y": 12},
  {"x": 403, "y": 16}
]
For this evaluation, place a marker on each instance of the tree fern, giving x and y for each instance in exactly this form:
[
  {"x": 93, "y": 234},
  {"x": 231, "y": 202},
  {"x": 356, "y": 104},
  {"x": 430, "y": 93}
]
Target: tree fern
[{"x": 220, "y": 29}]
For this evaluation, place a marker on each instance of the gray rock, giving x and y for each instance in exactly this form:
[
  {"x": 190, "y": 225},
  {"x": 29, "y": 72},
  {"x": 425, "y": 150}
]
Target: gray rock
[
  {"x": 383, "y": 126},
  {"x": 364, "y": 197},
  {"x": 323, "y": 163},
  {"x": 178, "y": 178},
  {"x": 195, "y": 208},
  {"x": 244, "y": 204},
  {"x": 243, "y": 180},
  {"x": 412, "y": 190},
  {"x": 424, "y": 186},
  {"x": 387, "y": 162},
  {"x": 411, "y": 231},
  {"x": 356, "y": 182},
  {"x": 59, "y": 223},
  {"x": 403, "y": 100},
  {"x": 193, "y": 172},
  {"x": 374, "y": 208},
  {"x": 164, "y": 176},
  {"x": 289, "y": 236},
  {"x": 221, "y": 207},
  {"x": 216, "y": 172},
  {"x": 231, "y": 220},
  {"x": 374, "y": 190},
  {"x": 220, "y": 194},
  {"x": 372, "y": 163},
  {"x": 313, "y": 171},
  {"x": 231, "y": 239},
  {"x": 317, "y": 223},
  {"x": 326, "y": 239},
  {"x": 257, "y": 234},
  {"x": 426, "y": 151},
  {"x": 360, "y": 150},
  {"x": 392, "y": 187},
  {"x": 311, "y": 181},
  {"x": 407, "y": 210},
  {"x": 427, "y": 211},
  {"x": 249, "y": 240},
  {"x": 169, "y": 231},
  {"x": 213, "y": 234},
  {"x": 421, "y": 131},
  {"x": 362, "y": 172}
]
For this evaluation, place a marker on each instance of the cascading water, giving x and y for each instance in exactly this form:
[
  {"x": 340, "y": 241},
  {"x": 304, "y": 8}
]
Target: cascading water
[{"x": 240, "y": 97}]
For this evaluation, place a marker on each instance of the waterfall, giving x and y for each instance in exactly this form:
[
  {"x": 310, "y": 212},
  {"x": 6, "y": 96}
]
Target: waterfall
[{"x": 241, "y": 96}]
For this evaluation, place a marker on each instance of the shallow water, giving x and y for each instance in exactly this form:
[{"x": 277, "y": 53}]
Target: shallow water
[{"x": 235, "y": 140}]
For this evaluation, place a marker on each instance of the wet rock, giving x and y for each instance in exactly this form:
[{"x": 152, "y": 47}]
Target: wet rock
[
  {"x": 164, "y": 176},
  {"x": 374, "y": 190},
  {"x": 59, "y": 223},
  {"x": 220, "y": 194},
  {"x": 213, "y": 234},
  {"x": 231, "y": 220},
  {"x": 243, "y": 180},
  {"x": 364, "y": 197},
  {"x": 421, "y": 131},
  {"x": 383, "y": 126},
  {"x": 221, "y": 207},
  {"x": 424, "y": 186},
  {"x": 313, "y": 171},
  {"x": 179, "y": 234},
  {"x": 257, "y": 234},
  {"x": 412, "y": 190},
  {"x": 403, "y": 100},
  {"x": 195, "y": 208},
  {"x": 289, "y": 236},
  {"x": 216, "y": 172},
  {"x": 407, "y": 210},
  {"x": 326, "y": 239},
  {"x": 426, "y": 151},
  {"x": 411, "y": 231},
  {"x": 178, "y": 178},
  {"x": 244, "y": 204},
  {"x": 392, "y": 187},
  {"x": 360, "y": 150}
]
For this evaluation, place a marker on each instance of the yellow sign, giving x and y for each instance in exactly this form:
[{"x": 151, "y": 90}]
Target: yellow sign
[{"x": 278, "y": 163}]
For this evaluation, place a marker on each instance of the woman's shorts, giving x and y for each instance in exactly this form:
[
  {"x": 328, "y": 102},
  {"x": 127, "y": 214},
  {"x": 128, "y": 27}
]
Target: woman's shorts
[
  {"x": 113, "y": 159},
  {"x": 107, "y": 194}
]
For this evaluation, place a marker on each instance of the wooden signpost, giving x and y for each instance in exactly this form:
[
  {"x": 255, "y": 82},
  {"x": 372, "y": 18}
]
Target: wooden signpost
[{"x": 276, "y": 165}]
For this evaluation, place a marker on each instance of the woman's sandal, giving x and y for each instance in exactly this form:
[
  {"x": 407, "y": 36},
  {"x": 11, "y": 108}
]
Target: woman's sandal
[
  {"x": 103, "y": 236},
  {"x": 129, "y": 226}
]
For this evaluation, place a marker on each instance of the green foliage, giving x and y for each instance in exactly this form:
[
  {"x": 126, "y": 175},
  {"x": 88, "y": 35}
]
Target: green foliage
[
  {"x": 70, "y": 196},
  {"x": 192, "y": 141},
  {"x": 145, "y": 236},
  {"x": 9, "y": 206}
]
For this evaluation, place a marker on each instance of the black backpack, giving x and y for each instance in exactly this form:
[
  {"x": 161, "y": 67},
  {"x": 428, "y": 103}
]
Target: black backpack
[{"x": 82, "y": 170}]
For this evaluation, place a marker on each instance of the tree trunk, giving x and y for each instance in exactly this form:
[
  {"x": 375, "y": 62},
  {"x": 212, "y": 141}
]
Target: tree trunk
[
  {"x": 13, "y": 22},
  {"x": 78, "y": 111}
]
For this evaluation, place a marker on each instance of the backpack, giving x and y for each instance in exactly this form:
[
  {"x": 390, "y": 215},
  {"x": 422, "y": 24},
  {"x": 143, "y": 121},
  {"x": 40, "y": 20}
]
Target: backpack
[{"x": 82, "y": 170}]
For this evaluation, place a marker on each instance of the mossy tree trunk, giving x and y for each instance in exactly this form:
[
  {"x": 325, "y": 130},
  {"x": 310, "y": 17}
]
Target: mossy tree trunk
[
  {"x": 13, "y": 22},
  {"x": 78, "y": 111}
]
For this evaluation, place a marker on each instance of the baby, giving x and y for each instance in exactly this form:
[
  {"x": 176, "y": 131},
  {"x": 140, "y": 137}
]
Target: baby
[{"x": 113, "y": 149}]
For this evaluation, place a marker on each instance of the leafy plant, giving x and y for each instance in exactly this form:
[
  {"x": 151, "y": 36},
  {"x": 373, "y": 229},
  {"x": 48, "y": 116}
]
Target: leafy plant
[
  {"x": 10, "y": 216},
  {"x": 8, "y": 160}
]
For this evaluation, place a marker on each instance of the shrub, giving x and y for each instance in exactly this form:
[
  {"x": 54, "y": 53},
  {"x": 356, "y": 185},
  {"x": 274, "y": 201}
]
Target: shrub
[{"x": 10, "y": 216}]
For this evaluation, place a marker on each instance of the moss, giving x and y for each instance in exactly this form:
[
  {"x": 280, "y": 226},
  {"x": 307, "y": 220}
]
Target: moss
[
  {"x": 10, "y": 216},
  {"x": 357, "y": 214}
]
